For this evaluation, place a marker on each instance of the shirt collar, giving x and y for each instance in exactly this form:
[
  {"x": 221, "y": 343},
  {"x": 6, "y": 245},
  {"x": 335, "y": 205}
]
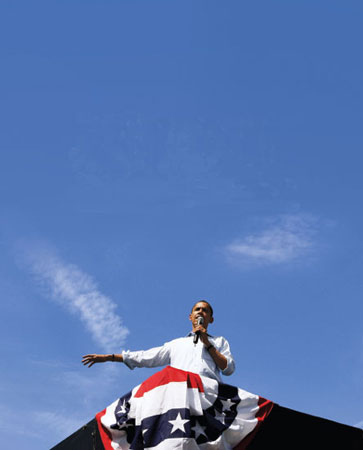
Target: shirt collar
[{"x": 191, "y": 333}]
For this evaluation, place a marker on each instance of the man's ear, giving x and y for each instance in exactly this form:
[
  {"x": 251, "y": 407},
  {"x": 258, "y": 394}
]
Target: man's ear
[
  {"x": 211, "y": 320},
  {"x": 190, "y": 317}
]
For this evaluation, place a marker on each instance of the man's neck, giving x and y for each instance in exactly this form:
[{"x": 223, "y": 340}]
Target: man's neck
[{"x": 193, "y": 332}]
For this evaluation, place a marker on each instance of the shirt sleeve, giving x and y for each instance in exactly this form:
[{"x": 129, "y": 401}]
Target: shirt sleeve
[
  {"x": 154, "y": 357},
  {"x": 226, "y": 351}
]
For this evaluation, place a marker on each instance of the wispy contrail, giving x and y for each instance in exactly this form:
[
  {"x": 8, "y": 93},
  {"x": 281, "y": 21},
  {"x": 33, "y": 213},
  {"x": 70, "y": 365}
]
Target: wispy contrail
[{"x": 77, "y": 291}]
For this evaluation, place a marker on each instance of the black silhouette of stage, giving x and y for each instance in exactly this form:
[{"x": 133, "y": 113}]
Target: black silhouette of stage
[{"x": 284, "y": 429}]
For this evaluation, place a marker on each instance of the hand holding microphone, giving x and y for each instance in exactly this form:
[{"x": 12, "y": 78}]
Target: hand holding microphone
[{"x": 200, "y": 321}]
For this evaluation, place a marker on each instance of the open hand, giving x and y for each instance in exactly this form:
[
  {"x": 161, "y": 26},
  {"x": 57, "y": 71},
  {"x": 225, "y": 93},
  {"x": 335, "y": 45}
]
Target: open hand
[{"x": 89, "y": 360}]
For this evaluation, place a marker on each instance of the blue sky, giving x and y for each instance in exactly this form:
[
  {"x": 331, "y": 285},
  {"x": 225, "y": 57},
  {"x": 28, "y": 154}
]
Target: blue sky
[{"x": 157, "y": 152}]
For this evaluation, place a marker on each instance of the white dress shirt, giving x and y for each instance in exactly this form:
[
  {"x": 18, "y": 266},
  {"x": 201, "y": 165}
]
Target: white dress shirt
[{"x": 183, "y": 354}]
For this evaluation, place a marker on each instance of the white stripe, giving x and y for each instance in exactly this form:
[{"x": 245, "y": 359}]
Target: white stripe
[
  {"x": 169, "y": 396},
  {"x": 176, "y": 444}
]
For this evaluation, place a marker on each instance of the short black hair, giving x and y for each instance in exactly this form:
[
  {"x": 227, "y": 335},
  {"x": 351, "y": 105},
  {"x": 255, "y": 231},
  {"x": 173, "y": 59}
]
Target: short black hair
[{"x": 204, "y": 301}]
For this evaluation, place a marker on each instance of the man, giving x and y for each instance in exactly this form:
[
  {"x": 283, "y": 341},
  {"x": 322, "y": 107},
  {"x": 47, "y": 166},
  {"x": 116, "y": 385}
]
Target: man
[
  {"x": 208, "y": 357},
  {"x": 184, "y": 405}
]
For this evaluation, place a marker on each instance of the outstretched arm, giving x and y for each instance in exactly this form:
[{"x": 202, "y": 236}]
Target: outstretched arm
[
  {"x": 89, "y": 360},
  {"x": 154, "y": 357}
]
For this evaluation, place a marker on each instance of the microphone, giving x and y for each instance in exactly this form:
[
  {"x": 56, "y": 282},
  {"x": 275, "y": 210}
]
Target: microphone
[{"x": 200, "y": 321}]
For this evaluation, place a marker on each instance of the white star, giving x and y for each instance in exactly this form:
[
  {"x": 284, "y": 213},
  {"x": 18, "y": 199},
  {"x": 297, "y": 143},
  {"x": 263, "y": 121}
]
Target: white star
[
  {"x": 198, "y": 430},
  {"x": 178, "y": 424},
  {"x": 220, "y": 416},
  {"x": 227, "y": 404},
  {"x": 122, "y": 408}
]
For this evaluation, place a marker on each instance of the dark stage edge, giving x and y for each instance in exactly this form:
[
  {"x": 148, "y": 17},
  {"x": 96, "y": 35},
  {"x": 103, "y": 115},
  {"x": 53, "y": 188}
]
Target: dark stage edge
[{"x": 284, "y": 429}]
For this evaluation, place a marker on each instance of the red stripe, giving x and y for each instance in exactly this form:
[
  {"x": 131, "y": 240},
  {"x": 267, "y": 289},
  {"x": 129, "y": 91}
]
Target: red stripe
[
  {"x": 265, "y": 407},
  {"x": 170, "y": 375},
  {"x": 104, "y": 433}
]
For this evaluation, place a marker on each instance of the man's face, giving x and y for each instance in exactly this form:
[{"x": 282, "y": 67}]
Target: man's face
[{"x": 201, "y": 309}]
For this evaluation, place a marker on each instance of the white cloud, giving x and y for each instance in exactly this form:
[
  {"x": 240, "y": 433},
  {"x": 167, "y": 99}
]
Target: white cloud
[
  {"x": 288, "y": 238},
  {"x": 77, "y": 291}
]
